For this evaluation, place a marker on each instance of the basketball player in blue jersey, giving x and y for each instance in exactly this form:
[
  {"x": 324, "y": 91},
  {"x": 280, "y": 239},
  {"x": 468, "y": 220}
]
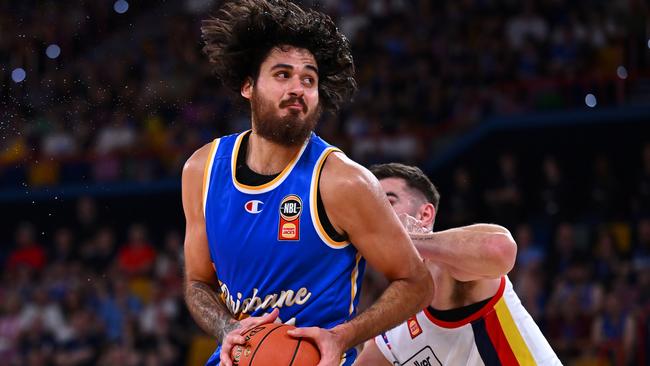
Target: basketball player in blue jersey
[
  {"x": 475, "y": 318},
  {"x": 280, "y": 223}
]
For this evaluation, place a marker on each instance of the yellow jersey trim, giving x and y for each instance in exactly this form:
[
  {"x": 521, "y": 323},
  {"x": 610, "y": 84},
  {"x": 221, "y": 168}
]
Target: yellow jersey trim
[
  {"x": 207, "y": 171},
  {"x": 266, "y": 186},
  {"x": 517, "y": 343},
  {"x": 353, "y": 282},
  {"x": 313, "y": 197}
]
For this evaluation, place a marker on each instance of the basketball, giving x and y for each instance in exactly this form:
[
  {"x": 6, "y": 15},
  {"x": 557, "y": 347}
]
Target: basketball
[{"x": 270, "y": 345}]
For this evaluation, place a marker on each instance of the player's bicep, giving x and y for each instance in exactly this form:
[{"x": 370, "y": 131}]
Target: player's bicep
[
  {"x": 356, "y": 204},
  {"x": 381, "y": 240}
]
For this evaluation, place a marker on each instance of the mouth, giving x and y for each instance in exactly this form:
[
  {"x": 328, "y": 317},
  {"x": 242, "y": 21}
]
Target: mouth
[
  {"x": 297, "y": 107},
  {"x": 294, "y": 106}
]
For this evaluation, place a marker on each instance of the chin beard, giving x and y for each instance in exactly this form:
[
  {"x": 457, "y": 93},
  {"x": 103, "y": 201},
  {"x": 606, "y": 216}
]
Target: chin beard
[{"x": 290, "y": 130}]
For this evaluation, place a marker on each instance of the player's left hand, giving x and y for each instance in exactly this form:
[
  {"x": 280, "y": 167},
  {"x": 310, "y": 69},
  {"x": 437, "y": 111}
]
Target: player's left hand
[{"x": 329, "y": 344}]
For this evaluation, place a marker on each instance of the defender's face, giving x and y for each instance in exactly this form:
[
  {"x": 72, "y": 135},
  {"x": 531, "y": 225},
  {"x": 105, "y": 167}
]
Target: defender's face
[{"x": 400, "y": 196}]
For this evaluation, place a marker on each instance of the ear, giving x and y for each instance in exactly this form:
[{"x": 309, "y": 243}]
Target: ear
[
  {"x": 427, "y": 215},
  {"x": 247, "y": 89}
]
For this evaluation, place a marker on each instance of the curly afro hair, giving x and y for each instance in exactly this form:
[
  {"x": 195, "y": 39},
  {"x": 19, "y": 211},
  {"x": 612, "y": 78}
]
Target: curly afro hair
[{"x": 240, "y": 36}]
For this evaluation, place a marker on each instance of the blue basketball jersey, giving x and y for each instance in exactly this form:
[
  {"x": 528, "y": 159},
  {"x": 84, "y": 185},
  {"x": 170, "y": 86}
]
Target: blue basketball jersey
[{"x": 268, "y": 246}]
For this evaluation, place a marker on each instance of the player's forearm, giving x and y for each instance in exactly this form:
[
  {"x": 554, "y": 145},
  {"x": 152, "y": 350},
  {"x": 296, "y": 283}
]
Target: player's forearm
[
  {"x": 485, "y": 250},
  {"x": 207, "y": 310},
  {"x": 401, "y": 299}
]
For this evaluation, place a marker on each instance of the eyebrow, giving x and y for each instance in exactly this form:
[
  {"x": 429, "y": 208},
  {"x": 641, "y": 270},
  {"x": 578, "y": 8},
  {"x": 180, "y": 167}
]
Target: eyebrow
[
  {"x": 391, "y": 194},
  {"x": 287, "y": 66}
]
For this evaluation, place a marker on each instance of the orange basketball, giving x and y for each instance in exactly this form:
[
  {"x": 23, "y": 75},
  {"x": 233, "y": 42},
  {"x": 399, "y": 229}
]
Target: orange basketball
[{"x": 270, "y": 345}]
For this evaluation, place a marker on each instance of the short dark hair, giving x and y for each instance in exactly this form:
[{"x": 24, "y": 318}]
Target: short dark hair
[
  {"x": 412, "y": 175},
  {"x": 239, "y": 38}
]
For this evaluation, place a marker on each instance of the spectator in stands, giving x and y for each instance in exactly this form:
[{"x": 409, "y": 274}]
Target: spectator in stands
[
  {"x": 529, "y": 284},
  {"x": 28, "y": 252},
  {"x": 605, "y": 191},
  {"x": 81, "y": 349},
  {"x": 10, "y": 327},
  {"x": 40, "y": 308},
  {"x": 555, "y": 194},
  {"x": 527, "y": 26},
  {"x": 529, "y": 253},
  {"x": 120, "y": 354},
  {"x": 613, "y": 330},
  {"x": 578, "y": 281},
  {"x": 641, "y": 197},
  {"x": 167, "y": 267},
  {"x": 569, "y": 328},
  {"x": 606, "y": 258},
  {"x": 36, "y": 346},
  {"x": 58, "y": 142},
  {"x": 100, "y": 252},
  {"x": 564, "y": 251},
  {"x": 136, "y": 257},
  {"x": 464, "y": 199},
  {"x": 505, "y": 199},
  {"x": 63, "y": 247},
  {"x": 117, "y": 308},
  {"x": 87, "y": 220},
  {"x": 641, "y": 248}
]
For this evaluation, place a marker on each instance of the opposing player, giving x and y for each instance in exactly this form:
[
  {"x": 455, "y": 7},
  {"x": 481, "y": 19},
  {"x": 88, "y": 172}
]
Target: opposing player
[
  {"x": 278, "y": 221},
  {"x": 475, "y": 317}
]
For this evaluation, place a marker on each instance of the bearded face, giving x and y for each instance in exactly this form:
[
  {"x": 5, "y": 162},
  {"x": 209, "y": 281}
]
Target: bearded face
[
  {"x": 287, "y": 129},
  {"x": 284, "y": 98}
]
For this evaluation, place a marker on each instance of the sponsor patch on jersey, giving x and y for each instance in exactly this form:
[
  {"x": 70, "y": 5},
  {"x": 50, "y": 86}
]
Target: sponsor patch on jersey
[
  {"x": 290, "y": 210},
  {"x": 424, "y": 357},
  {"x": 414, "y": 327},
  {"x": 254, "y": 206}
]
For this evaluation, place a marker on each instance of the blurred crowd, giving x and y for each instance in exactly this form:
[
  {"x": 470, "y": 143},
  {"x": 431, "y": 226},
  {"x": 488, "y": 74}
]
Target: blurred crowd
[
  {"x": 136, "y": 84},
  {"x": 92, "y": 293},
  {"x": 130, "y": 97}
]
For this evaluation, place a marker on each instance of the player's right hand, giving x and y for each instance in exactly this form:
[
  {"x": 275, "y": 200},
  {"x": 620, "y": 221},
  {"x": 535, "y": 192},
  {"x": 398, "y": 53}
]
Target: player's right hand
[{"x": 235, "y": 336}]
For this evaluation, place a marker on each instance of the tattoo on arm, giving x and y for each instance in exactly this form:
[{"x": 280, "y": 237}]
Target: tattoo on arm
[{"x": 208, "y": 311}]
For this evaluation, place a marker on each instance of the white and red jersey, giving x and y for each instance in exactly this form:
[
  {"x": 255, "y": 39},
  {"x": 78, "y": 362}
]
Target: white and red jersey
[{"x": 501, "y": 332}]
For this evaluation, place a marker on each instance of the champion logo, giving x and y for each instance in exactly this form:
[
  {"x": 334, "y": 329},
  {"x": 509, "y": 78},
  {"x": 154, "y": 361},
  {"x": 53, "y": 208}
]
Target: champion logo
[{"x": 254, "y": 206}]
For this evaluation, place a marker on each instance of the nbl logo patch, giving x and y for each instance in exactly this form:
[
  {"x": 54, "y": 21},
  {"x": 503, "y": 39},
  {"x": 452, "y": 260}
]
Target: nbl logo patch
[{"x": 290, "y": 210}]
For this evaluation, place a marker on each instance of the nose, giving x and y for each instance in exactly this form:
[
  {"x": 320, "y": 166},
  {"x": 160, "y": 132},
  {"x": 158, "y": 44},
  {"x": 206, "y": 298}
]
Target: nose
[{"x": 296, "y": 89}]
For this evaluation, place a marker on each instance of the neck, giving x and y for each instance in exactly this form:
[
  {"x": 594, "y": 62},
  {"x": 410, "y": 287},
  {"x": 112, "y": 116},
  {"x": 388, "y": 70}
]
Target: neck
[{"x": 266, "y": 157}]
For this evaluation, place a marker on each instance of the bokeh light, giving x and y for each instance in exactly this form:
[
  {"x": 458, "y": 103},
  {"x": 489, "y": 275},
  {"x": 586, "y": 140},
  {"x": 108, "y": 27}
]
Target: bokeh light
[
  {"x": 121, "y": 6},
  {"x": 18, "y": 75},
  {"x": 590, "y": 100},
  {"x": 53, "y": 51}
]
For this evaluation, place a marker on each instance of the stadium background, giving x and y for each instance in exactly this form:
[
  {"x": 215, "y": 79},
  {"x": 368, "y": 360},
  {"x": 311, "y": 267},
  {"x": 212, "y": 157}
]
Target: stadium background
[{"x": 530, "y": 114}]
